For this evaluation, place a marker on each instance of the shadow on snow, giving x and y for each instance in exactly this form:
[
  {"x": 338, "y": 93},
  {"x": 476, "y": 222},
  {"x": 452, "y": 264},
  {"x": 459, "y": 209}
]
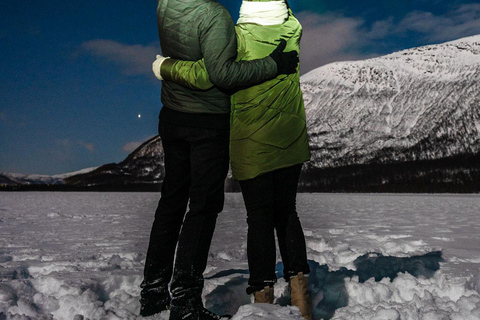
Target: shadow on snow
[{"x": 327, "y": 287}]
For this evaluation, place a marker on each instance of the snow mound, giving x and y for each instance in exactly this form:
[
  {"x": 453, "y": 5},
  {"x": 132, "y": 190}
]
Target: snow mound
[{"x": 408, "y": 297}]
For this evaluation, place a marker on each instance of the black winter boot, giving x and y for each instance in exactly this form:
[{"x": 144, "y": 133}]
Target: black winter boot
[
  {"x": 154, "y": 298},
  {"x": 187, "y": 298},
  {"x": 187, "y": 305}
]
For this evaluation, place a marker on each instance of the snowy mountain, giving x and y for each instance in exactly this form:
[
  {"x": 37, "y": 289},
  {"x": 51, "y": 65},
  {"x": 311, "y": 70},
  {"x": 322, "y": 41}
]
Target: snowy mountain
[
  {"x": 141, "y": 170},
  {"x": 142, "y": 166},
  {"x": 22, "y": 179},
  {"x": 38, "y": 179},
  {"x": 70, "y": 174},
  {"x": 405, "y": 122},
  {"x": 416, "y": 104},
  {"x": 408, "y": 121}
]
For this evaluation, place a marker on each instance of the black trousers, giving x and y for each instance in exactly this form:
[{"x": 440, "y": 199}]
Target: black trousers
[
  {"x": 196, "y": 165},
  {"x": 270, "y": 200}
]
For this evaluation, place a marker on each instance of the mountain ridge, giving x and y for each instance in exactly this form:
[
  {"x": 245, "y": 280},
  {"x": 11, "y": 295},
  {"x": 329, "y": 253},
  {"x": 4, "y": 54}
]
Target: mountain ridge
[{"x": 386, "y": 124}]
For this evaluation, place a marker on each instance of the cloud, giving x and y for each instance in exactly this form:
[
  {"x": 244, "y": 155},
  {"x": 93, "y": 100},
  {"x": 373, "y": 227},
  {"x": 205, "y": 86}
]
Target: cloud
[
  {"x": 133, "y": 59},
  {"x": 65, "y": 143},
  {"x": 66, "y": 149},
  {"x": 131, "y": 146},
  {"x": 63, "y": 150},
  {"x": 89, "y": 146},
  {"x": 461, "y": 22},
  {"x": 333, "y": 37},
  {"x": 326, "y": 37},
  {"x": 15, "y": 122}
]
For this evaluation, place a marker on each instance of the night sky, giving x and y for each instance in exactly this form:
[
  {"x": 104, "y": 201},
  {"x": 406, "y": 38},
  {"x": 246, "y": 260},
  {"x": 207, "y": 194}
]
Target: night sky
[{"x": 76, "y": 75}]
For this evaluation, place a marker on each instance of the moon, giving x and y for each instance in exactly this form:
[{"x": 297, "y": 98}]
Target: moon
[{"x": 139, "y": 116}]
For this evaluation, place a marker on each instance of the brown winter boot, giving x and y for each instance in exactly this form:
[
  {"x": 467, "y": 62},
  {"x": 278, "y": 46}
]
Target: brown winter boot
[
  {"x": 264, "y": 296},
  {"x": 300, "y": 296}
]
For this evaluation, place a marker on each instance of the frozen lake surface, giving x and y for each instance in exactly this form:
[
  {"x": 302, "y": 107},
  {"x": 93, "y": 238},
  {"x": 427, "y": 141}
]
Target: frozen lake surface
[{"x": 81, "y": 255}]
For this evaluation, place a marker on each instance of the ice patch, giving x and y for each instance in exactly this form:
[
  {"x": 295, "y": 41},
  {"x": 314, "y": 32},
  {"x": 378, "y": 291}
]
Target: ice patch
[
  {"x": 446, "y": 239},
  {"x": 459, "y": 260},
  {"x": 336, "y": 231},
  {"x": 53, "y": 215},
  {"x": 27, "y": 257},
  {"x": 308, "y": 233},
  {"x": 399, "y": 236},
  {"x": 224, "y": 256}
]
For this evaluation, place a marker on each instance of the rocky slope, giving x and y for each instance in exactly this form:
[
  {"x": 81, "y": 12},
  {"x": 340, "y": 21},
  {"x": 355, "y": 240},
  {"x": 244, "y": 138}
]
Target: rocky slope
[
  {"x": 142, "y": 166},
  {"x": 416, "y": 104}
]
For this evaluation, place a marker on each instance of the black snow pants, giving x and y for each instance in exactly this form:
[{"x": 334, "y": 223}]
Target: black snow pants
[
  {"x": 196, "y": 165},
  {"x": 270, "y": 200}
]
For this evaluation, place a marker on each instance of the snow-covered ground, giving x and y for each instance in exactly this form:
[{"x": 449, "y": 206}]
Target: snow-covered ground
[{"x": 80, "y": 256}]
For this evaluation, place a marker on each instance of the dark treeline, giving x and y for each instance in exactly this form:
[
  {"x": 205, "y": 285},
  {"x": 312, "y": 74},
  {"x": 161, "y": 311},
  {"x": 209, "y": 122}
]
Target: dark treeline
[{"x": 458, "y": 174}]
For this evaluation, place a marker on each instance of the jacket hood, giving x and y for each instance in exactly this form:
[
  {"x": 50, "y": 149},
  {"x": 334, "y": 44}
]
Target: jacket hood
[{"x": 263, "y": 12}]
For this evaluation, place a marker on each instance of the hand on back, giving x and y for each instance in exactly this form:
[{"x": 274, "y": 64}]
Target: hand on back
[{"x": 287, "y": 62}]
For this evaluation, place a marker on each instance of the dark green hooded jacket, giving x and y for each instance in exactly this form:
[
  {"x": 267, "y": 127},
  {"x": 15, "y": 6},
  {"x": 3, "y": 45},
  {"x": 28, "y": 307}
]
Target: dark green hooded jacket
[
  {"x": 203, "y": 29},
  {"x": 268, "y": 127}
]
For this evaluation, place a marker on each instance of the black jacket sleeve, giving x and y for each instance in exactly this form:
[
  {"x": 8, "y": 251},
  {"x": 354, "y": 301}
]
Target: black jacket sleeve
[{"x": 218, "y": 43}]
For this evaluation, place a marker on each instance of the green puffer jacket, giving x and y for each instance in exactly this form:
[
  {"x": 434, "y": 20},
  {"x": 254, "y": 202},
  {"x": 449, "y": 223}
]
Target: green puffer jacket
[
  {"x": 268, "y": 128},
  {"x": 203, "y": 29}
]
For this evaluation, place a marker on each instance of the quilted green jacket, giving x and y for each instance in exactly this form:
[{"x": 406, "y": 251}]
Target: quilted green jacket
[
  {"x": 203, "y": 29},
  {"x": 268, "y": 128}
]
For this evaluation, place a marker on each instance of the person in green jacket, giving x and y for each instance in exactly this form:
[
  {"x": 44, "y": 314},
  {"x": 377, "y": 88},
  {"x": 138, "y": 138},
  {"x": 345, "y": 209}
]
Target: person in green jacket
[
  {"x": 268, "y": 144},
  {"x": 194, "y": 127}
]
